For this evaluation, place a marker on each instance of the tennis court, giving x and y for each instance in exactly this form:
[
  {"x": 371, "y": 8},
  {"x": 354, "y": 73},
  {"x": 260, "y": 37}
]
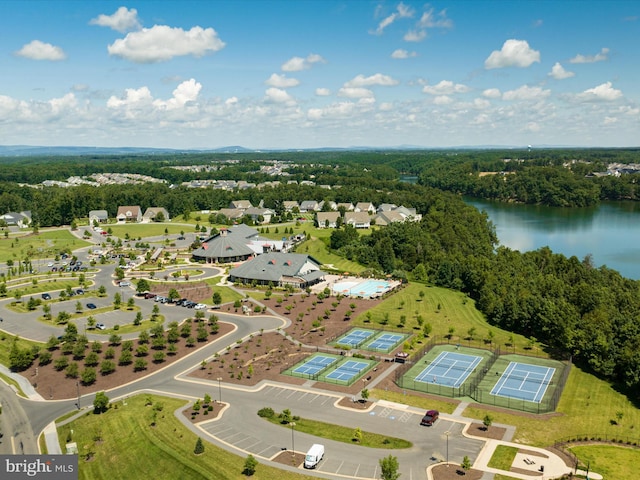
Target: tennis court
[
  {"x": 449, "y": 368},
  {"x": 524, "y": 381},
  {"x": 348, "y": 370},
  {"x": 314, "y": 365},
  {"x": 385, "y": 342},
  {"x": 355, "y": 338}
]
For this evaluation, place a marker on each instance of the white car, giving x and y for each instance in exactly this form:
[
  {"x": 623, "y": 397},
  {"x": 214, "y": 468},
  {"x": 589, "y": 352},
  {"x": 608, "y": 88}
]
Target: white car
[
  {"x": 200, "y": 306},
  {"x": 100, "y": 326}
]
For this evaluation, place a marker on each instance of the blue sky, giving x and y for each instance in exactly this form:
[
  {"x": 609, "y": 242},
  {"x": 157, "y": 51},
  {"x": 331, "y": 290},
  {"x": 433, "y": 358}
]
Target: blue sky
[{"x": 306, "y": 74}]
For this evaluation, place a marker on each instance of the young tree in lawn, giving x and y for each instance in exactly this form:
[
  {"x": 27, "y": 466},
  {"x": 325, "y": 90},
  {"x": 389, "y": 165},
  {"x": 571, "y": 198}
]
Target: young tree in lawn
[
  {"x": 142, "y": 286},
  {"x": 250, "y": 465},
  {"x": 117, "y": 300},
  {"x": 216, "y": 298},
  {"x": 199, "y": 448},
  {"x": 100, "y": 402},
  {"x": 131, "y": 303}
]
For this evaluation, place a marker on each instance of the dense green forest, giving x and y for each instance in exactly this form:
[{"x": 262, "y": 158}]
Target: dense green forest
[{"x": 567, "y": 303}]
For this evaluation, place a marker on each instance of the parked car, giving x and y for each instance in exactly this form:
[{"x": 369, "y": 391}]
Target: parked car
[
  {"x": 80, "y": 291},
  {"x": 149, "y": 295},
  {"x": 200, "y": 306},
  {"x": 101, "y": 326},
  {"x": 46, "y": 296},
  {"x": 91, "y": 306},
  {"x": 430, "y": 418},
  {"x": 124, "y": 284}
]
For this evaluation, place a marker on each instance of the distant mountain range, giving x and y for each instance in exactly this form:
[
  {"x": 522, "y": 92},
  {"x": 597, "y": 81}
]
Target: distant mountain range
[{"x": 30, "y": 150}]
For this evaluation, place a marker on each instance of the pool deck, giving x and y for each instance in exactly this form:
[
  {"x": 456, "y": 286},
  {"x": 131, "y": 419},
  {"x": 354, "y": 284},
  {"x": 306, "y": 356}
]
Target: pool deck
[{"x": 332, "y": 280}]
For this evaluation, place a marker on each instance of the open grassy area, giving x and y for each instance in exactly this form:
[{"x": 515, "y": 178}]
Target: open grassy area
[
  {"x": 318, "y": 250},
  {"x": 443, "y": 309},
  {"x": 5, "y": 346},
  {"x": 343, "y": 434},
  {"x": 125, "y": 445},
  {"x": 503, "y": 457},
  {"x": 609, "y": 461},
  {"x": 441, "y": 404},
  {"x": 46, "y": 244},
  {"x": 143, "y": 230}
]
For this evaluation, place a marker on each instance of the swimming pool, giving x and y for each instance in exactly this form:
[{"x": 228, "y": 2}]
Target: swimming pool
[{"x": 366, "y": 288}]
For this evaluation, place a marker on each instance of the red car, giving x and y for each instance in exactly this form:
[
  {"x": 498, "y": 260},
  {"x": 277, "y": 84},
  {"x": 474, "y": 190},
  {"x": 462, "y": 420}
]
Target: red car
[{"x": 430, "y": 418}]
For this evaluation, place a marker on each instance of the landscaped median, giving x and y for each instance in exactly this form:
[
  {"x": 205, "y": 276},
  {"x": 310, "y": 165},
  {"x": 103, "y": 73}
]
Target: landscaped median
[{"x": 333, "y": 432}]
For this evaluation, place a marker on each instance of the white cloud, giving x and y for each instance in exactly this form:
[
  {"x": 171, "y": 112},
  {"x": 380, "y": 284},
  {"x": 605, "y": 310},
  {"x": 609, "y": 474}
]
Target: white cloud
[
  {"x": 296, "y": 64},
  {"x": 526, "y": 93},
  {"x": 277, "y": 95},
  {"x": 281, "y": 81},
  {"x": 37, "y": 50},
  {"x": 355, "y": 92},
  {"x": 231, "y": 101},
  {"x": 185, "y": 93},
  {"x": 376, "y": 79},
  {"x": 323, "y": 92},
  {"x": 610, "y": 120},
  {"x": 140, "y": 96},
  {"x": 342, "y": 109},
  {"x": 122, "y": 20},
  {"x": 415, "y": 35},
  {"x": 559, "y": 73},
  {"x": 599, "y": 57},
  {"x": 445, "y": 87},
  {"x": 492, "y": 93},
  {"x": 64, "y": 104},
  {"x": 514, "y": 53},
  {"x": 401, "y": 54},
  {"x": 402, "y": 11},
  {"x": 442, "y": 100},
  {"x": 602, "y": 93},
  {"x": 440, "y": 20},
  {"x": 161, "y": 43}
]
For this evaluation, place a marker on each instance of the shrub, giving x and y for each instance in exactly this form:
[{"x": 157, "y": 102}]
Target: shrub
[{"x": 266, "y": 412}]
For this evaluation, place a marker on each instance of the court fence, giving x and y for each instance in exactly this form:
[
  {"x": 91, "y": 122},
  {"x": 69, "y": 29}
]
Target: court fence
[{"x": 480, "y": 391}]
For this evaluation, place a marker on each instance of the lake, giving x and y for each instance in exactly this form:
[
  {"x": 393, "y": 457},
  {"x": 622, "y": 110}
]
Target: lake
[{"x": 609, "y": 232}]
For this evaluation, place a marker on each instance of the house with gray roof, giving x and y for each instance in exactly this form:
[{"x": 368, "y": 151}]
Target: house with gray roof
[
  {"x": 240, "y": 204},
  {"x": 309, "y": 206},
  {"x": 289, "y": 205},
  {"x": 151, "y": 213},
  {"x": 229, "y": 245},
  {"x": 365, "y": 207},
  {"x": 18, "y": 219},
  {"x": 259, "y": 215},
  {"x": 232, "y": 213},
  {"x": 279, "y": 269},
  {"x": 99, "y": 216}
]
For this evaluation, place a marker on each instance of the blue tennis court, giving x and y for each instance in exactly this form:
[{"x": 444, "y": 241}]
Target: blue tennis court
[
  {"x": 450, "y": 369},
  {"x": 385, "y": 342},
  {"x": 524, "y": 381},
  {"x": 355, "y": 337},
  {"x": 347, "y": 370},
  {"x": 314, "y": 365}
]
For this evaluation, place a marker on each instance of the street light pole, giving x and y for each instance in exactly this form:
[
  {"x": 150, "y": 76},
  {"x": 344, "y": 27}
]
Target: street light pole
[
  {"x": 447, "y": 433},
  {"x": 78, "y": 387},
  {"x": 220, "y": 389},
  {"x": 293, "y": 445}
]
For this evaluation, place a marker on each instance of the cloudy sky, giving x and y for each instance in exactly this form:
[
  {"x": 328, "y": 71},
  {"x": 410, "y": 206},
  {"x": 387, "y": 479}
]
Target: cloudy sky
[{"x": 319, "y": 73}]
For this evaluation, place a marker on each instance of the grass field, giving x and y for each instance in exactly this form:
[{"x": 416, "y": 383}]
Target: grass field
[
  {"x": 143, "y": 230},
  {"x": 503, "y": 457},
  {"x": 5, "y": 346},
  {"x": 609, "y": 461},
  {"x": 46, "y": 244},
  {"x": 125, "y": 446}
]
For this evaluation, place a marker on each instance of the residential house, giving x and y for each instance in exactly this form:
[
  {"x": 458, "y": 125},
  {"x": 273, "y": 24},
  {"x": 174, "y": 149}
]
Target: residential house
[
  {"x": 291, "y": 206},
  {"x": 279, "y": 269},
  {"x": 17, "y": 219},
  {"x": 259, "y": 215},
  {"x": 386, "y": 207},
  {"x": 240, "y": 204},
  {"x": 348, "y": 206},
  {"x": 357, "y": 219},
  {"x": 98, "y": 216},
  {"x": 151, "y": 213},
  {"x": 232, "y": 213},
  {"x": 365, "y": 207},
  {"x": 327, "y": 219},
  {"x": 129, "y": 214},
  {"x": 328, "y": 205},
  {"x": 309, "y": 206}
]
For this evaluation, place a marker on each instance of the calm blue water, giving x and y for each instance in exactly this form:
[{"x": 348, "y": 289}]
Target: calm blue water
[{"x": 609, "y": 232}]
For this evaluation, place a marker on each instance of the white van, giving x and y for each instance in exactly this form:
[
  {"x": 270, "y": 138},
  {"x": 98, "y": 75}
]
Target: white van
[{"x": 314, "y": 455}]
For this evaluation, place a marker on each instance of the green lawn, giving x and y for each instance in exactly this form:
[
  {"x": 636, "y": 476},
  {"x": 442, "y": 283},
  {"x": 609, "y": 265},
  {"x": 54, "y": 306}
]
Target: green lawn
[
  {"x": 143, "y": 230},
  {"x": 126, "y": 446},
  {"x": 343, "y": 434},
  {"x": 5, "y": 346},
  {"x": 609, "y": 461},
  {"x": 46, "y": 244},
  {"x": 318, "y": 250},
  {"x": 503, "y": 457},
  {"x": 443, "y": 309}
]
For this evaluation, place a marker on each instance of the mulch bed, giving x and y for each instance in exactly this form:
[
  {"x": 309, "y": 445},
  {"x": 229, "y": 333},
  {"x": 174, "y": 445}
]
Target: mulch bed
[
  {"x": 287, "y": 458},
  {"x": 455, "y": 472},
  {"x": 55, "y": 385},
  {"x": 493, "y": 432},
  {"x": 207, "y": 412}
]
